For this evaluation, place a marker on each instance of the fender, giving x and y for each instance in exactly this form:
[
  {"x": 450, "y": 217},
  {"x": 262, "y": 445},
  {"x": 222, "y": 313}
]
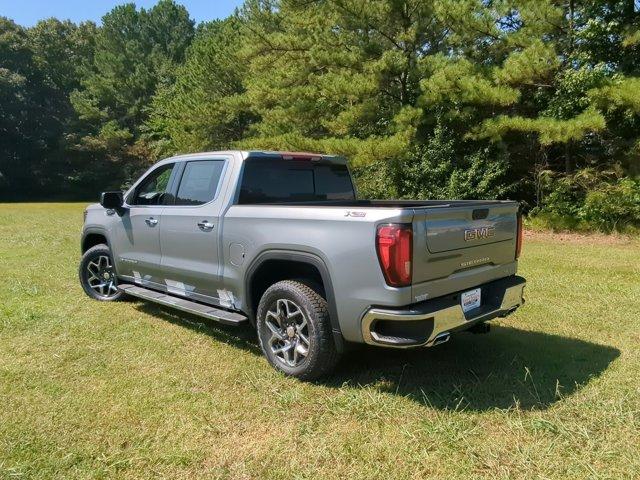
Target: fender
[
  {"x": 97, "y": 231},
  {"x": 302, "y": 257}
]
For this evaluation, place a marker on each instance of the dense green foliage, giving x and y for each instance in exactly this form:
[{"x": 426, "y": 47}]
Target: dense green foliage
[
  {"x": 450, "y": 98},
  {"x": 589, "y": 199},
  {"x": 199, "y": 110}
]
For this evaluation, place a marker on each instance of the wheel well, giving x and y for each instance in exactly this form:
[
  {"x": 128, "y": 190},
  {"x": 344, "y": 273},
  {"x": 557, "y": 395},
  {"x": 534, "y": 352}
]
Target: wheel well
[
  {"x": 91, "y": 240},
  {"x": 272, "y": 271}
]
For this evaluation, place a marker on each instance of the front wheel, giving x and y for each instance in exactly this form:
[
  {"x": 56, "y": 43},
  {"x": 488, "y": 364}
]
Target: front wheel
[
  {"x": 98, "y": 276},
  {"x": 295, "y": 331}
]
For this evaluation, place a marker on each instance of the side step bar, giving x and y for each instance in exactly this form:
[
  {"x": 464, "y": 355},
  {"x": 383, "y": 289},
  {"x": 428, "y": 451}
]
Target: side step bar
[{"x": 206, "y": 311}]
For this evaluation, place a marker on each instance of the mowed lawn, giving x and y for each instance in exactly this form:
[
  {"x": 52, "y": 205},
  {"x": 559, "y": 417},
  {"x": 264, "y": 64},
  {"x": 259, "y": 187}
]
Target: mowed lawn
[{"x": 130, "y": 390}]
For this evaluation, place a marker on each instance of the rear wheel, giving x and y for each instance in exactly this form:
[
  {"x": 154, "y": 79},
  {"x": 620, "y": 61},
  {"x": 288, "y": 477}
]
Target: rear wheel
[
  {"x": 98, "y": 276},
  {"x": 295, "y": 330}
]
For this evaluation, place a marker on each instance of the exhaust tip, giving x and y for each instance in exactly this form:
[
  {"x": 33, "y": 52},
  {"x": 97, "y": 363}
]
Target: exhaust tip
[{"x": 441, "y": 338}]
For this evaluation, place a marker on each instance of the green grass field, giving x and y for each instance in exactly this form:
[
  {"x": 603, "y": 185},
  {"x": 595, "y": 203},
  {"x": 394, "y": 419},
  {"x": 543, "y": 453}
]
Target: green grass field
[{"x": 130, "y": 390}]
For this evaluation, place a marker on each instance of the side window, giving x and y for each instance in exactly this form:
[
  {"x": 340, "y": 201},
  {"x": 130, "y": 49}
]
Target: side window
[
  {"x": 154, "y": 188},
  {"x": 199, "y": 182}
]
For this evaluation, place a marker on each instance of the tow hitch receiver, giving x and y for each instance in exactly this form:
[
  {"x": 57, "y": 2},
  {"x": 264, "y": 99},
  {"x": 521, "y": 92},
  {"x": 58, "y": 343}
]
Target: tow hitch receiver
[{"x": 480, "y": 328}]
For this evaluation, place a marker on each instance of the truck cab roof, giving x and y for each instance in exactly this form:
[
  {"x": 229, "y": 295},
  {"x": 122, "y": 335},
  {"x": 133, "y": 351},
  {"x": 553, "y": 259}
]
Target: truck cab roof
[{"x": 246, "y": 154}]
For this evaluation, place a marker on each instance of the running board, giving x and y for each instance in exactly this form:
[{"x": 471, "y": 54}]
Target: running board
[{"x": 206, "y": 311}]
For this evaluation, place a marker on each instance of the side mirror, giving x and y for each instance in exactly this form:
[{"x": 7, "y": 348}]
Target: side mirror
[{"x": 111, "y": 200}]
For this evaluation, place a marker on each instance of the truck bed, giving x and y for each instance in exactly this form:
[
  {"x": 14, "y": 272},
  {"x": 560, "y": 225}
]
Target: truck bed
[{"x": 387, "y": 203}]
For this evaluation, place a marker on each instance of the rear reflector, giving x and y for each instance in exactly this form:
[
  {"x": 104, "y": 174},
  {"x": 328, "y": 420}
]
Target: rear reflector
[
  {"x": 394, "y": 244},
  {"x": 519, "y": 237}
]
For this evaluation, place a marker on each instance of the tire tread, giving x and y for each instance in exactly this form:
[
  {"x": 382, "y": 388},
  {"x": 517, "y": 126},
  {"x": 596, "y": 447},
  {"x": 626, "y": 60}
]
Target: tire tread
[
  {"x": 327, "y": 356},
  {"x": 103, "y": 248}
]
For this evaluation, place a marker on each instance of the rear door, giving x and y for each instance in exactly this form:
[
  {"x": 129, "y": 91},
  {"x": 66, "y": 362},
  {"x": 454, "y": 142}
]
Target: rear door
[
  {"x": 189, "y": 236},
  {"x": 135, "y": 238},
  {"x": 461, "y": 239}
]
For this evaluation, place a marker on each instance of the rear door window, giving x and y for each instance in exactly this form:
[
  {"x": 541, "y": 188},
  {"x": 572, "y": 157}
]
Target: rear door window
[{"x": 199, "y": 183}]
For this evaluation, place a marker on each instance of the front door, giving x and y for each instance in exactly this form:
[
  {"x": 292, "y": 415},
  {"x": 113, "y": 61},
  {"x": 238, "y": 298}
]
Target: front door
[
  {"x": 190, "y": 232},
  {"x": 136, "y": 236}
]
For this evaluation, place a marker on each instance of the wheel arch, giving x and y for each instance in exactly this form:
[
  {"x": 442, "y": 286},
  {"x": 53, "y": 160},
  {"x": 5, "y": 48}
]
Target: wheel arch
[
  {"x": 93, "y": 237},
  {"x": 272, "y": 266}
]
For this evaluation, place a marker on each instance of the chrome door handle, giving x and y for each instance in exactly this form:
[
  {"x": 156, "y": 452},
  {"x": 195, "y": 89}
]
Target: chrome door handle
[
  {"x": 205, "y": 225},
  {"x": 152, "y": 222}
]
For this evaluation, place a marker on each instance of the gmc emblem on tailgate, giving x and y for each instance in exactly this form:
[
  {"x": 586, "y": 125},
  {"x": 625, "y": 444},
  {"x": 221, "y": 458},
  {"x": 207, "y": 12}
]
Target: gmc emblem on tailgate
[{"x": 479, "y": 233}]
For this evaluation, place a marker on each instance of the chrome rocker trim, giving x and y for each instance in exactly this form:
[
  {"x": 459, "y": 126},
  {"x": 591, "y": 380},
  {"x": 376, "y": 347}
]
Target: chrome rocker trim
[{"x": 499, "y": 299}]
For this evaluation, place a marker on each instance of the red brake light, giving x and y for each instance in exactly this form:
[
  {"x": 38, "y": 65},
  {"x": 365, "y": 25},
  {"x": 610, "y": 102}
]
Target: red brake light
[
  {"x": 314, "y": 157},
  {"x": 519, "y": 237},
  {"x": 394, "y": 244}
]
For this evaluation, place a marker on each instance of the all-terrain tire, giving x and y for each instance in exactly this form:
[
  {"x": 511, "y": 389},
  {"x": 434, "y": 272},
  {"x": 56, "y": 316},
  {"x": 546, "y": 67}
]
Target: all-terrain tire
[
  {"x": 96, "y": 268},
  {"x": 322, "y": 355}
]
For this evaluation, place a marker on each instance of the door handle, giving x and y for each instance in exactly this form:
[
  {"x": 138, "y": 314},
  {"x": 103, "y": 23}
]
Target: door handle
[
  {"x": 152, "y": 222},
  {"x": 205, "y": 225}
]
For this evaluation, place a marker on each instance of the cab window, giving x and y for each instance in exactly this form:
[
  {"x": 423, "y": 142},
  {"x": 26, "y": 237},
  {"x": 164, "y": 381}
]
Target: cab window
[
  {"x": 274, "y": 180},
  {"x": 199, "y": 183},
  {"x": 154, "y": 189}
]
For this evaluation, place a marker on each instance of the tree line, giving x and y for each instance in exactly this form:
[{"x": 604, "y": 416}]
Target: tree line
[{"x": 535, "y": 100}]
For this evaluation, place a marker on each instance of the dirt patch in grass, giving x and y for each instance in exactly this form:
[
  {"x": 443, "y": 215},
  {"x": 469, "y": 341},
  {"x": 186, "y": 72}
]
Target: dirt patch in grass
[{"x": 580, "y": 238}]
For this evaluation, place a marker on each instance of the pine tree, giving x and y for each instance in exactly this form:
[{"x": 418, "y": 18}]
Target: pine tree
[{"x": 202, "y": 110}]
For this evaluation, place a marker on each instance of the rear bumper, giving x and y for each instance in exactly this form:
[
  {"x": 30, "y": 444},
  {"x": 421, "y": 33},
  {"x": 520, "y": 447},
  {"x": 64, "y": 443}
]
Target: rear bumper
[{"x": 428, "y": 323}]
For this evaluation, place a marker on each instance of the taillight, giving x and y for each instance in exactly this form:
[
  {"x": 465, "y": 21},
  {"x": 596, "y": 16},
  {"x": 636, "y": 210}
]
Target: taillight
[
  {"x": 394, "y": 244},
  {"x": 314, "y": 157},
  {"x": 519, "y": 237}
]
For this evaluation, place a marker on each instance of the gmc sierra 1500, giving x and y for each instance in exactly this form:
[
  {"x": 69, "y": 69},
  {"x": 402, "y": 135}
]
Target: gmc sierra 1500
[{"x": 280, "y": 240}]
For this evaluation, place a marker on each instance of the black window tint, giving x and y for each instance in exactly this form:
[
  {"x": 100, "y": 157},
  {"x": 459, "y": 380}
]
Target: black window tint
[
  {"x": 152, "y": 190},
  {"x": 267, "y": 180},
  {"x": 334, "y": 182},
  {"x": 199, "y": 182}
]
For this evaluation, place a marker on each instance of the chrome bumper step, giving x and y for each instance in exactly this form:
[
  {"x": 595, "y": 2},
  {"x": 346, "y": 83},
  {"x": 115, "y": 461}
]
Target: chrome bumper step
[
  {"x": 434, "y": 320},
  {"x": 206, "y": 311}
]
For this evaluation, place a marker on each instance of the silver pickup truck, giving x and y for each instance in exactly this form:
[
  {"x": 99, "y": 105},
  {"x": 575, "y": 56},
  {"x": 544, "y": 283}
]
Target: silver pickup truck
[{"x": 280, "y": 240}]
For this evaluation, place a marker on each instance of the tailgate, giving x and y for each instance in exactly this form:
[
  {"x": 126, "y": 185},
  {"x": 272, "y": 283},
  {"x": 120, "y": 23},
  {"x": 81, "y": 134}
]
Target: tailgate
[{"x": 459, "y": 239}]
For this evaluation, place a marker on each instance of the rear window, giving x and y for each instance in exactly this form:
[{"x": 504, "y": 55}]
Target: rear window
[{"x": 274, "y": 180}]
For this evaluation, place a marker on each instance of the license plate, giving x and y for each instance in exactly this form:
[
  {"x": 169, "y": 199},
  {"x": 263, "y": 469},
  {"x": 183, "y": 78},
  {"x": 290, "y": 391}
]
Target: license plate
[{"x": 470, "y": 300}]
